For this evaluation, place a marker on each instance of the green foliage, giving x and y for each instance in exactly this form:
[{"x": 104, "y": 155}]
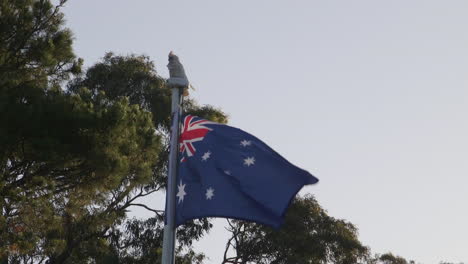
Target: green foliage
[
  {"x": 34, "y": 45},
  {"x": 140, "y": 241},
  {"x": 133, "y": 77},
  {"x": 309, "y": 235},
  {"x": 389, "y": 258},
  {"x": 68, "y": 152},
  {"x": 71, "y": 163},
  {"x": 207, "y": 111},
  {"x": 35, "y": 56},
  {"x": 74, "y": 162}
]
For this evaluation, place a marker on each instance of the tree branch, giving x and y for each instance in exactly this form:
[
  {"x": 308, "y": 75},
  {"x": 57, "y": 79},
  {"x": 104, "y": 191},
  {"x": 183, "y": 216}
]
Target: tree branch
[{"x": 158, "y": 212}]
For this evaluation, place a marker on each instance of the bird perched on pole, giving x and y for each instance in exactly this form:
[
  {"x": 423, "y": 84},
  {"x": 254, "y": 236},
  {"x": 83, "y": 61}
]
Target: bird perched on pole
[{"x": 177, "y": 74}]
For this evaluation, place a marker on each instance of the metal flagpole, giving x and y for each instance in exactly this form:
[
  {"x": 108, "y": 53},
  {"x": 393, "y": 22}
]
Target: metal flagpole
[{"x": 178, "y": 82}]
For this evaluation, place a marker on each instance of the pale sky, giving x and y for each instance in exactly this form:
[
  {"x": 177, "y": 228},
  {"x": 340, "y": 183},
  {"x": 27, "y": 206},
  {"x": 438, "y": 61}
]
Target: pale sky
[{"x": 369, "y": 96}]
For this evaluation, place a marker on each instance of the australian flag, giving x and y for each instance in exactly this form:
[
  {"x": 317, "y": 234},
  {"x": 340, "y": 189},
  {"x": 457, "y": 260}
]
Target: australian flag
[{"x": 226, "y": 172}]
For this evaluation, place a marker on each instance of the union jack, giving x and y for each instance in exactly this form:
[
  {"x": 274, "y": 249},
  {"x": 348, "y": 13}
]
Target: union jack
[{"x": 192, "y": 131}]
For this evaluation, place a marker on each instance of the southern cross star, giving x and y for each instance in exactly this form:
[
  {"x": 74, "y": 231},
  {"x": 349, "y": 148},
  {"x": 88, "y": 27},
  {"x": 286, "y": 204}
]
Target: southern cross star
[
  {"x": 209, "y": 193},
  {"x": 181, "y": 192},
  {"x": 246, "y": 143},
  {"x": 206, "y": 156},
  {"x": 249, "y": 161}
]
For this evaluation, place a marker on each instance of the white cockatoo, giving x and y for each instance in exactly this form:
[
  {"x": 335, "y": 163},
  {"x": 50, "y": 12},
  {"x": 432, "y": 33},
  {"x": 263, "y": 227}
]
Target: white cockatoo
[{"x": 177, "y": 77}]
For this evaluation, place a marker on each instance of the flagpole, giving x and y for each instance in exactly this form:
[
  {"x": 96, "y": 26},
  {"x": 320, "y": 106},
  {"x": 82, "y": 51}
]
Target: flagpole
[{"x": 177, "y": 82}]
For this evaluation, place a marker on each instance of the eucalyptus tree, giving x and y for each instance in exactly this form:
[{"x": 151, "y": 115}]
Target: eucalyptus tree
[
  {"x": 75, "y": 156},
  {"x": 309, "y": 235}
]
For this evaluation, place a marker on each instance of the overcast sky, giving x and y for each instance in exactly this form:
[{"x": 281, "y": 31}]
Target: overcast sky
[{"x": 369, "y": 96}]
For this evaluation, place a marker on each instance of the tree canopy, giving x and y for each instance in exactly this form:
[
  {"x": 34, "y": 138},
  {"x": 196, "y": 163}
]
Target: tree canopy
[
  {"x": 74, "y": 158},
  {"x": 309, "y": 235}
]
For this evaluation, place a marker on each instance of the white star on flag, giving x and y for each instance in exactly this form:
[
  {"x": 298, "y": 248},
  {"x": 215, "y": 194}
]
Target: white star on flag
[
  {"x": 206, "y": 156},
  {"x": 209, "y": 193},
  {"x": 181, "y": 192},
  {"x": 249, "y": 161},
  {"x": 227, "y": 172},
  {"x": 246, "y": 143}
]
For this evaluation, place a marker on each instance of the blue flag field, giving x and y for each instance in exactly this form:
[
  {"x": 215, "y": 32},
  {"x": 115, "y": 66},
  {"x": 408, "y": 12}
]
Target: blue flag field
[{"x": 226, "y": 172}]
